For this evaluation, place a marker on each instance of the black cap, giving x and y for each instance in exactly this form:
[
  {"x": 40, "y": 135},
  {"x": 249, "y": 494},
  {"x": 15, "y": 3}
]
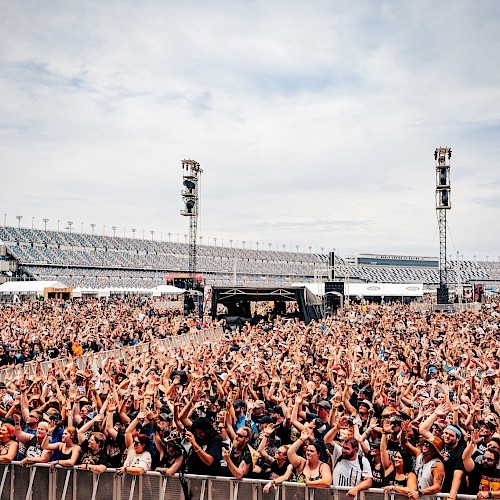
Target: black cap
[
  {"x": 276, "y": 409},
  {"x": 266, "y": 420}
]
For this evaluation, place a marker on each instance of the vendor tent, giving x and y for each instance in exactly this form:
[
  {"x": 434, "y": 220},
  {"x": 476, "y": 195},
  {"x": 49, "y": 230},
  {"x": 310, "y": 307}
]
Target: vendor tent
[{"x": 36, "y": 288}]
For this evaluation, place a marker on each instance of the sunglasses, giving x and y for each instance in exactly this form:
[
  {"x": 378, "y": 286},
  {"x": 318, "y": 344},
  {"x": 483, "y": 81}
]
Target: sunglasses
[
  {"x": 137, "y": 442},
  {"x": 241, "y": 435},
  {"x": 488, "y": 459}
]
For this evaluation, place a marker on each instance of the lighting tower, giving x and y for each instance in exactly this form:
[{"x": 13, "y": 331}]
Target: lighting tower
[
  {"x": 191, "y": 173},
  {"x": 443, "y": 204}
]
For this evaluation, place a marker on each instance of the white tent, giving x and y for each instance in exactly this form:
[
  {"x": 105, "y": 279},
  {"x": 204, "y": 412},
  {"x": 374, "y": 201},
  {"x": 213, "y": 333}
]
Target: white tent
[
  {"x": 108, "y": 291},
  {"x": 167, "y": 290},
  {"x": 25, "y": 287},
  {"x": 372, "y": 289}
]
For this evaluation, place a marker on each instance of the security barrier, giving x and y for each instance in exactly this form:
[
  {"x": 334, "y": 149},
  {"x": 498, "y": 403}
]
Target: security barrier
[
  {"x": 82, "y": 362},
  {"x": 41, "y": 482}
]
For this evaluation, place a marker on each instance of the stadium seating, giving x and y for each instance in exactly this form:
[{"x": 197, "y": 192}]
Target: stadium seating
[{"x": 98, "y": 261}]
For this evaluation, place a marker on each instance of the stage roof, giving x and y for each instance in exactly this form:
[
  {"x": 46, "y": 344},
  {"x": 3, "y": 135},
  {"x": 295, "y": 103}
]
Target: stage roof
[{"x": 256, "y": 294}]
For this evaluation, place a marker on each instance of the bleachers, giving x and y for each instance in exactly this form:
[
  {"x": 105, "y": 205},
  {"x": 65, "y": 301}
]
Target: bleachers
[{"x": 95, "y": 260}]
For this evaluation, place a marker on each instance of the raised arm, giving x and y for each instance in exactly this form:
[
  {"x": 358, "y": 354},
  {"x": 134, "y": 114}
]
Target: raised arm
[
  {"x": 297, "y": 461},
  {"x": 469, "y": 450}
]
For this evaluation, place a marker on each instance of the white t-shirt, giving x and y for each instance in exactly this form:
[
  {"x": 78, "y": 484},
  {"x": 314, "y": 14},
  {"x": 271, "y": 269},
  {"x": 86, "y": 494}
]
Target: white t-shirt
[
  {"x": 348, "y": 472},
  {"x": 134, "y": 459}
]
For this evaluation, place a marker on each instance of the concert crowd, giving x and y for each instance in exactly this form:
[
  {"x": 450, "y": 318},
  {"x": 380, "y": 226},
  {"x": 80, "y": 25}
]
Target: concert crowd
[{"x": 376, "y": 396}]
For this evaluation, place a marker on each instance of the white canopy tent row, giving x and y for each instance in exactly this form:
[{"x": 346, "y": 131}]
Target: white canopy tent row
[
  {"x": 158, "y": 291},
  {"x": 27, "y": 287},
  {"x": 16, "y": 290},
  {"x": 371, "y": 289},
  {"x": 12, "y": 289}
]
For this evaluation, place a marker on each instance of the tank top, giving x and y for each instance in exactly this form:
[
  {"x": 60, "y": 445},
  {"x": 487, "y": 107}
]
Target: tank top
[
  {"x": 391, "y": 479},
  {"x": 424, "y": 474},
  {"x": 301, "y": 477},
  {"x": 65, "y": 456}
]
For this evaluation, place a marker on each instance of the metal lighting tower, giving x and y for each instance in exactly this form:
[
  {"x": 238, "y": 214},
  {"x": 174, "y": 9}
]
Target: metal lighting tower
[
  {"x": 191, "y": 173},
  {"x": 443, "y": 204}
]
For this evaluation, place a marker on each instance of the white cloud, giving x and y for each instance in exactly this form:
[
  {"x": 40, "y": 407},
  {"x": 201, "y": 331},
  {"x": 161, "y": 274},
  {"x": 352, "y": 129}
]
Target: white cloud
[{"x": 315, "y": 123}]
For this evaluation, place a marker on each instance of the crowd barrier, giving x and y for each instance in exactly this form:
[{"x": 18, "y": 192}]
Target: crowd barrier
[
  {"x": 41, "y": 482},
  {"x": 423, "y": 307},
  {"x": 84, "y": 362}
]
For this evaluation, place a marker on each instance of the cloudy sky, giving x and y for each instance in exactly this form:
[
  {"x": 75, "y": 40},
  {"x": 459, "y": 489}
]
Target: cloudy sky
[{"x": 315, "y": 122}]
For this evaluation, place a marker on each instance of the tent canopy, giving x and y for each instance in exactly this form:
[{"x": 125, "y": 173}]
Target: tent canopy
[
  {"x": 168, "y": 289},
  {"x": 29, "y": 286}
]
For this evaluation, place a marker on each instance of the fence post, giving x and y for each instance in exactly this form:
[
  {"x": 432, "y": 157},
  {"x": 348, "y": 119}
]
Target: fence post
[
  {"x": 30, "y": 485},
  {"x": 96, "y": 484},
  {"x": 163, "y": 491},
  {"x": 66, "y": 483},
  {"x": 203, "y": 489},
  {"x": 4, "y": 478},
  {"x": 132, "y": 488}
]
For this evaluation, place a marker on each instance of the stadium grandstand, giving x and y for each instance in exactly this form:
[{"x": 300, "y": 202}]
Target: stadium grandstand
[{"x": 88, "y": 260}]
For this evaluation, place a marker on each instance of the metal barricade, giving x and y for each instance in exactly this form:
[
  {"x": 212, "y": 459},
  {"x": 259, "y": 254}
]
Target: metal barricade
[
  {"x": 41, "y": 482},
  {"x": 82, "y": 362}
]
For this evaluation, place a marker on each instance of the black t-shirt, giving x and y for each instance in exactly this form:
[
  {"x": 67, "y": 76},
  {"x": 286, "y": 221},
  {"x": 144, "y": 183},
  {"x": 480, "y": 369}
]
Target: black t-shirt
[
  {"x": 276, "y": 470},
  {"x": 115, "y": 451},
  {"x": 483, "y": 479},
  {"x": 245, "y": 456},
  {"x": 213, "y": 447},
  {"x": 284, "y": 433},
  {"x": 87, "y": 457},
  {"x": 393, "y": 447},
  {"x": 378, "y": 475},
  {"x": 452, "y": 461}
]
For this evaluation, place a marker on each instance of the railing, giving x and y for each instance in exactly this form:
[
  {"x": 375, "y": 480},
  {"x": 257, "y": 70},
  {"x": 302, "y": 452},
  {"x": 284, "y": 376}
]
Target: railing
[
  {"x": 41, "y": 482},
  {"x": 82, "y": 362}
]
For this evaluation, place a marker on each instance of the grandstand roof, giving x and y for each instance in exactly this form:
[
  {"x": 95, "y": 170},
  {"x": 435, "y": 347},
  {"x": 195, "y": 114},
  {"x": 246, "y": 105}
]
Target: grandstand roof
[{"x": 29, "y": 286}]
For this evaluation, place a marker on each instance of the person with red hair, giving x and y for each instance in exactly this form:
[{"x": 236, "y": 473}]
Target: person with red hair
[{"x": 8, "y": 444}]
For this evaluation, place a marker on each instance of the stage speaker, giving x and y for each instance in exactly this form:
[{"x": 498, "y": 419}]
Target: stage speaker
[
  {"x": 331, "y": 259},
  {"x": 331, "y": 265},
  {"x": 334, "y": 286},
  {"x": 443, "y": 296}
]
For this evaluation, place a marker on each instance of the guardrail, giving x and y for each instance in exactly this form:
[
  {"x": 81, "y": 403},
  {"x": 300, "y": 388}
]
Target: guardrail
[
  {"x": 82, "y": 362},
  {"x": 41, "y": 482}
]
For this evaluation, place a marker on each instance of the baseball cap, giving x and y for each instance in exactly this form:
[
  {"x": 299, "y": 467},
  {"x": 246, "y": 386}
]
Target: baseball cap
[
  {"x": 325, "y": 404},
  {"x": 367, "y": 403},
  {"x": 276, "y": 409}
]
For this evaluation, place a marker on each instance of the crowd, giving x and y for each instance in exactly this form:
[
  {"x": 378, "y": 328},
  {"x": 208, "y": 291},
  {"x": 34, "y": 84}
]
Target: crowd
[
  {"x": 45, "y": 330},
  {"x": 377, "y": 396}
]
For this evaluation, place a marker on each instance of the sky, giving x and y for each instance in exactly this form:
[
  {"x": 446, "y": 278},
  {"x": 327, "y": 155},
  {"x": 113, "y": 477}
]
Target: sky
[{"x": 315, "y": 123}]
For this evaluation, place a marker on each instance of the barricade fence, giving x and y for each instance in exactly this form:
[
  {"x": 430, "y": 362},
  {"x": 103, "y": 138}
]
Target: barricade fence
[
  {"x": 83, "y": 362},
  {"x": 42, "y": 482}
]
